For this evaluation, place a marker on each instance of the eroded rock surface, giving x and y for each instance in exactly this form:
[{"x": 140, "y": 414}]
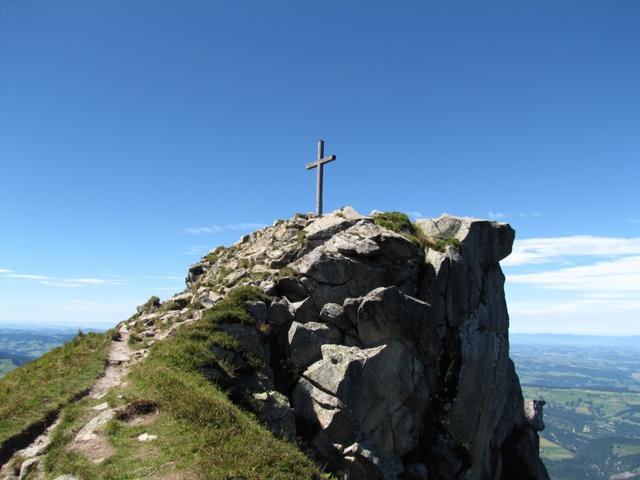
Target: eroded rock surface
[{"x": 389, "y": 357}]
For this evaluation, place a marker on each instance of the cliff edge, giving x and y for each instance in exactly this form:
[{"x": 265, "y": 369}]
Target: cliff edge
[
  {"x": 377, "y": 346},
  {"x": 387, "y": 351}
]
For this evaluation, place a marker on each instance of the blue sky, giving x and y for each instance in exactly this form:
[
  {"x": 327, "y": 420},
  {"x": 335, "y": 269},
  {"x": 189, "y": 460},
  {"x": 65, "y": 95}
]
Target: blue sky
[{"x": 127, "y": 127}]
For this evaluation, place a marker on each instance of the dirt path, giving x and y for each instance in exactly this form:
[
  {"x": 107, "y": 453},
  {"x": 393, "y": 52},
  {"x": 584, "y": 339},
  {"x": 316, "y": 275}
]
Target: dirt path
[{"x": 119, "y": 362}]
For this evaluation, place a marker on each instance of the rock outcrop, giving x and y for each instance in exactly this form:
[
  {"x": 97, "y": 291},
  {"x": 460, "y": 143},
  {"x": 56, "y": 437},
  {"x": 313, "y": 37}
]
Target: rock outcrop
[{"x": 387, "y": 356}]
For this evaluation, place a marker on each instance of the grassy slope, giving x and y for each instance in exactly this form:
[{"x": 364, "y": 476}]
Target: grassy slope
[
  {"x": 201, "y": 434},
  {"x": 6, "y": 365},
  {"x": 30, "y": 392}
]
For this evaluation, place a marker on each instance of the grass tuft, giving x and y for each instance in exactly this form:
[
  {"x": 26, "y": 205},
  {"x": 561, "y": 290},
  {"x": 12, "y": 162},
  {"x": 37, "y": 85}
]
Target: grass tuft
[{"x": 399, "y": 222}]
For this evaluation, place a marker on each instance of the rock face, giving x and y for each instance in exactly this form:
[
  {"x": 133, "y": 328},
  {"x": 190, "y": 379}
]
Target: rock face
[{"x": 390, "y": 358}]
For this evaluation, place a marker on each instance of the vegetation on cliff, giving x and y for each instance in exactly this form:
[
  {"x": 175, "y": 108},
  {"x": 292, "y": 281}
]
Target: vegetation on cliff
[
  {"x": 31, "y": 393},
  {"x": 200, "y": 432}
]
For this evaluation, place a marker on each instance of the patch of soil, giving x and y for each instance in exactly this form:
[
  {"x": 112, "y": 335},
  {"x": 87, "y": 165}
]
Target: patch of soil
[
  {"x": 138, "y": 412},
  {"x": 97, "y": 450}
]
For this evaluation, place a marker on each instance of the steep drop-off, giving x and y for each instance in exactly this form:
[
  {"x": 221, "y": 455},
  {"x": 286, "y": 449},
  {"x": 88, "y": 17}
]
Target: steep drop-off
[
  {"x": 379, "y": 346},
  {"x": 392, "y": 354}
]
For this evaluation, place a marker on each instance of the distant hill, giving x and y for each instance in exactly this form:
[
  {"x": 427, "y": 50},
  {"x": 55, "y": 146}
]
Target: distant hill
[
  {"x": 19, "y": 346},
  {"x": 574, "y": 340}
]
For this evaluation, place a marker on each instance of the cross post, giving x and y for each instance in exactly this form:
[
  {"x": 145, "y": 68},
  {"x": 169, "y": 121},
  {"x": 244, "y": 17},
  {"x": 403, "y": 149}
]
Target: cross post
[{"x": 319, "y": 164}]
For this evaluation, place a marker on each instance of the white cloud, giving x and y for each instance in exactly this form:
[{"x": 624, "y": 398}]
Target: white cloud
[
  {"x": 5, "y": 270},
  {"x": 619, "y": 275},
  {"x": 497, "y": 215},
  {"x": 529, "y": 214},
  {"x": 66, "y": 282},
  {"x": 222, "y": 228},
  {"x": 164, "y": 277},
  {"x": 194, "y": 250},
  {"x": 599, "y": 295},
  {"x": 585, "y": 316},
  {"x": 25, "y": 276},
  {"x": 544, "y": 250}
]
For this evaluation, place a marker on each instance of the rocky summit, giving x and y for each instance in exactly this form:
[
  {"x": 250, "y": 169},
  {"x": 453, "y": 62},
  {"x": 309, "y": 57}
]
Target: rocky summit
[{"x": 382, "y": 346}]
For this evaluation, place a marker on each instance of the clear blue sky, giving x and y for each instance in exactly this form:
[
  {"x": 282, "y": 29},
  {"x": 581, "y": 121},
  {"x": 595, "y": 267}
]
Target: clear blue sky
[{"x": 124, "y": 124}]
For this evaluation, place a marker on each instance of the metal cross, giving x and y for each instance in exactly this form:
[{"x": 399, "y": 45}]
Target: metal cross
[{"x": 319, "y": 164}]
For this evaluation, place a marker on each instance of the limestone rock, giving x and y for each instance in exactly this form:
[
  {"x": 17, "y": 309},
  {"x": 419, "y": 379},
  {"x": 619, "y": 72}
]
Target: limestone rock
[
  {"x": 274, "y": 410},
  {"x": 280, "y": 312},
  {"x": 486, "y": 241},
  {"x": 89, "y": 431},
  {"x": 390, "y": 414},
  {"x": 305, "y": 311},
  {"x": 306, "y": 339},
  {"x": 28, "y": 466},
  {"x": 326, "y": 226},
  {"x": 533, "y": 414},
  {"x": 394, "y": 357},
  {"x": 334, "y": 314}
]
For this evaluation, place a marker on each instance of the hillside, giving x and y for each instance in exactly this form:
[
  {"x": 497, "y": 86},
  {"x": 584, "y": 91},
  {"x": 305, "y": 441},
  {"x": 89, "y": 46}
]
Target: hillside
[
  {"x": 19, "y": 345},
  {"x": 377, "y": 347}
]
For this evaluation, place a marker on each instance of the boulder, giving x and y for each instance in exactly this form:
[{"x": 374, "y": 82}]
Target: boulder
[
  {"x": 334, "y": 314},
  {"x": 533, "y": 414},
  {"x": 306, "y": 339},
  {"x": 279, "y": 312},
  {"x": 195, "y": 272},
  {"x": 248, "y": 339},
  {"x": 387, "y": 313},
  {"x": 305, "y": 311},
  {"x": 326, "y": 226},
  {"x": 273, "y": 409},
  {"x": 485, "y": 241},
  {"x": 390, "y": 414}
]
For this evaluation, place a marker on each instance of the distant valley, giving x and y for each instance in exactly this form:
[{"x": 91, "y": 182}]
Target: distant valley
[
  {"x": 592, "y": 389},
  {"x": 591, "y": 386},
  {"x": 21, "y": 345}
]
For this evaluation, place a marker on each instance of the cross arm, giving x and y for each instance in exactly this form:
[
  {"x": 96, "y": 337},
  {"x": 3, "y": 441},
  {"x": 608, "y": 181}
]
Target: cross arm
[{"x": 322, "y": 161}]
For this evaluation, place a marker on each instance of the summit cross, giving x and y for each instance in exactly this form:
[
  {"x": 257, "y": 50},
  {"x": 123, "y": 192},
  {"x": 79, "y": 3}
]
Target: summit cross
[{"x": 319, "y": 164}]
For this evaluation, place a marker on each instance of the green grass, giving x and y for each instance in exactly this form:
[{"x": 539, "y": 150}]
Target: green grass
[
  {"x": 399, "y": 222},
  {"x": 200, "y": 432},
  {"x": 32, "y": 391},
  {"x": 6, "y": 365},
  {"x": 214, "y": 256},
  {"x": 553, "y": 451},
  {"x": 621, "y": 450},
  {"x": 168, "y": 306},
  {"x": 302, "y": 238}
]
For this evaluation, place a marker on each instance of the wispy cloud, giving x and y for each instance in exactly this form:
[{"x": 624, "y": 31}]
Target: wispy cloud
[
  {"x": 614, "y": 276},
  {"x": 233, "y": 227},
  {"x": 529, "y": 214},
  {"x": 415, "y": 214},
  {"x": 194, "y": 250},
  {"x": 25, "y": 276},
  {"x": 5, "y": 270},
  {"x": 575, "y": 284},
  {"x": 164, "y": 277},
  {"x": 497, "y": 215},
  {"x": 545, "y": 250},
  {"x": 64, "y": 281}
]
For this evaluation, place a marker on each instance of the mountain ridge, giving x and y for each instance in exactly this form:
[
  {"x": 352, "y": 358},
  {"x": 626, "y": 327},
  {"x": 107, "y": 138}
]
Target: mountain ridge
[{"x": 377, "y": 344}]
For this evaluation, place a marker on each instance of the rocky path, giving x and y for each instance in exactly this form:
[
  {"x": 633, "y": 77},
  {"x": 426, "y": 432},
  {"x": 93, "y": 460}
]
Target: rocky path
[{"x": 119, "y": 362}]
